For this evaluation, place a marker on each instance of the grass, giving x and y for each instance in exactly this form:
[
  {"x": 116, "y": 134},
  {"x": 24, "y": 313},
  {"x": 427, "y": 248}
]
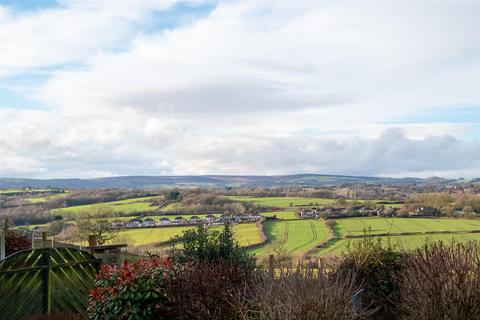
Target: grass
[
  {"x": 245, "y": 233},
  {"x": 283, "y": 201},
  {"x": 143, "y": 236},
  {"x": 297, "y": 201},
  {"x": 46, "y": 198},
  {"x": 283, "y": 215},
  {"x": 356, "y": 226},
  {"x": 299, "y": 235},
  {"x": 119, "y": 206},
  {"x": 403, "y": 242}
]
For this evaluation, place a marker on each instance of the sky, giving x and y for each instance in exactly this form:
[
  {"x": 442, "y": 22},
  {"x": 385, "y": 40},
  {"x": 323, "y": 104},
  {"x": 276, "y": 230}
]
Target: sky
[{"x": 94, "y": 88}]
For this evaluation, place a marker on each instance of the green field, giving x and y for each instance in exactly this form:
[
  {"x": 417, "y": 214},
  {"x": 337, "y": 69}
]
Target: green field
[
  {"x": 245, "y": 234},
  {"x": 46, "y": 198},
  {"x": 299, "y": 235},
  {"x": 144, "y": 236},
  {"x": 283, "y": 215},
  {"x": 295, "y": 201},
  {"x": 120, "y": 206},
  {"x": 356, "y": 226},
  {"x": 283, "y": 201},
  {"x": 402, "y": 242}
]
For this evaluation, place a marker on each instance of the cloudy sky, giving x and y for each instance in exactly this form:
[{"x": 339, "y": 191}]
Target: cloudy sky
[{"x": 92, "y": 88}]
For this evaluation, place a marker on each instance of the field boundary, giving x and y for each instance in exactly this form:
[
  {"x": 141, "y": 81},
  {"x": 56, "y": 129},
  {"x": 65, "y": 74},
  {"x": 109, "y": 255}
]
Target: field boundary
[
  {"x": 332, "y": 236},
  {"x": 414, "y": 233},
  {"x": 263, "y": 238}
]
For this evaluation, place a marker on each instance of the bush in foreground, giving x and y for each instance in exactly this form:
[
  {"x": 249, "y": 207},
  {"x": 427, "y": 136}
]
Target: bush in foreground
[
  {"x": 377, "y": 266},
  {"x": 131, "y": 291},
  {"x": 204, "y": 246},
  {"x": 300, "y": 294},
  {"x": 441, "y": 282},
  {"x": 14, "y": 242},
  {"x": 205, "y": 290}
]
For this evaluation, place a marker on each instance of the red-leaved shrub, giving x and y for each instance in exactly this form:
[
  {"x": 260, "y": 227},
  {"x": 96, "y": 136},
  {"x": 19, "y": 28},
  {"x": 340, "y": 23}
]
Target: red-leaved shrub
[
  {"x": 131, "y": 291},
  {"x": 14, "y": 242}
]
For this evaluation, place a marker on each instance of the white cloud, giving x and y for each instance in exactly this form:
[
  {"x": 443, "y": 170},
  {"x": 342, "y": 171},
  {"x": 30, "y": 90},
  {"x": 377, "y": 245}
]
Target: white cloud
[{"x": 250, "y": 88}]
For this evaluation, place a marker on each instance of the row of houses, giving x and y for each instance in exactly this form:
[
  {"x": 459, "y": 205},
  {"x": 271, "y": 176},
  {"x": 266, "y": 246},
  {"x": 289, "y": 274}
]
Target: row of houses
[
  {"x": 193, "y": 220},
  {"x": 315, "y": 213}
]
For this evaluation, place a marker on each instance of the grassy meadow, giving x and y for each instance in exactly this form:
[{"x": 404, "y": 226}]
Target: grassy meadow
[
  {"x": 297, "y": 201},
  {"x": 356, "y": 226},
  {"x": 297, "y": 236},
  {"x": 400, "y": 242},
  {"x": 245, "y": 233},
  {"x": 119, "y": 206},
  {"x": 283, "y": 215}
]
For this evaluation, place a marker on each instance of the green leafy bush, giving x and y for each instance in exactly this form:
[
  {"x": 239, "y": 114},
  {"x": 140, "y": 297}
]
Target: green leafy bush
[
  {"x": 201, "y": 245},
  {"x": 377, "y": 266}
]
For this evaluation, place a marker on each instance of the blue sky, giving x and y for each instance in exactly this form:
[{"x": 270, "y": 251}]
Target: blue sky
[{"x": 124, "y": 87}]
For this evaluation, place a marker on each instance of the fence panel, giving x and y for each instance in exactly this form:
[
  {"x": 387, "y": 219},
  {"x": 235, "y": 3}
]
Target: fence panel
[{"x": 45, "y": 281}]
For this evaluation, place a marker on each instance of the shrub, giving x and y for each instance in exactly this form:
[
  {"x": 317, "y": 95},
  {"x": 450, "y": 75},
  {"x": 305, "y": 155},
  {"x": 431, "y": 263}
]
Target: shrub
[
  {"x": 131, "y": 291},
  {"x": 201, "y": 245},
  {"x": 205, "y": 290},
  {"x": 14, "y": 242},
  {"x": 57, "y": 316},
  {"x": 377, "y": 266},
  {"x": 441, "y": 282},
  {"x": 300, "y": 294}
]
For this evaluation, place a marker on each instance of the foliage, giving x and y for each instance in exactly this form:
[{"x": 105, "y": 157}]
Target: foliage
[
  {"x": 131, "y": 291},
  {"x": 376, "y": 265},
  {"x": 303, "y": 293},
  {"x": 204, "y": 290},
  {"x": 201, "y": 245},
  {"x": 56, "y": 316},
  {"x": 14, "y": 242},
  {"x": 441, "y": 282}
]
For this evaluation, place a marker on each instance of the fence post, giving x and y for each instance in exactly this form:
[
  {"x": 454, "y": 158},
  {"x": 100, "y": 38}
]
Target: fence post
[
  {"x": 46, "y": 278},
  {"x": 357, "y": 301},
  {"x": 271, "y": 265},
  {"x": 2, "y": 244}
]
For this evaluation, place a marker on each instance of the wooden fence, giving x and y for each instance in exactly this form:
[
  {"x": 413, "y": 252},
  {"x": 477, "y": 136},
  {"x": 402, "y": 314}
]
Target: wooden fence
[{"x": 45, "y": 281}]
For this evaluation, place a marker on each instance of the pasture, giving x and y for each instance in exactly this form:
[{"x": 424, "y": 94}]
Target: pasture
[
  {"x": 245, "y": 233},
  {"x": 297, "y": 201},
  {"x": 297, "y": 236},
  {"x": 401, "y": 242},
  {"x": 119, "y": 206},
  {"x": 282, "y": 215},
  {"x": 283, "y": 201},
  {"x": 356, "y": 226}
]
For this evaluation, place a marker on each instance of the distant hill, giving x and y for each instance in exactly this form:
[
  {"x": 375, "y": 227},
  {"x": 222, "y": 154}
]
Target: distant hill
[{"x": 139, "y": 182}]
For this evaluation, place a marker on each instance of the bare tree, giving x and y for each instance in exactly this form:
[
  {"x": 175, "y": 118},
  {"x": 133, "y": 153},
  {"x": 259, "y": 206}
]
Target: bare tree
[{"x": 95, "y": 221}]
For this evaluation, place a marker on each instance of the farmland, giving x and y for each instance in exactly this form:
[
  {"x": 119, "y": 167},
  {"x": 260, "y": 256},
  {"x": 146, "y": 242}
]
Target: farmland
[
  {"x": 283, "y": 228},
  {"x": 401, "y": 242},
  {"x": 121, "y": 206},
  {"x": 297, "y": 236},
  {"x": 356, "y": 226},
  {"x": 283, "y": 215},
  {"x": 246, "y": 234},
  {"x": 284, "y": 201},
  {"x": 457, "y": 229}
]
